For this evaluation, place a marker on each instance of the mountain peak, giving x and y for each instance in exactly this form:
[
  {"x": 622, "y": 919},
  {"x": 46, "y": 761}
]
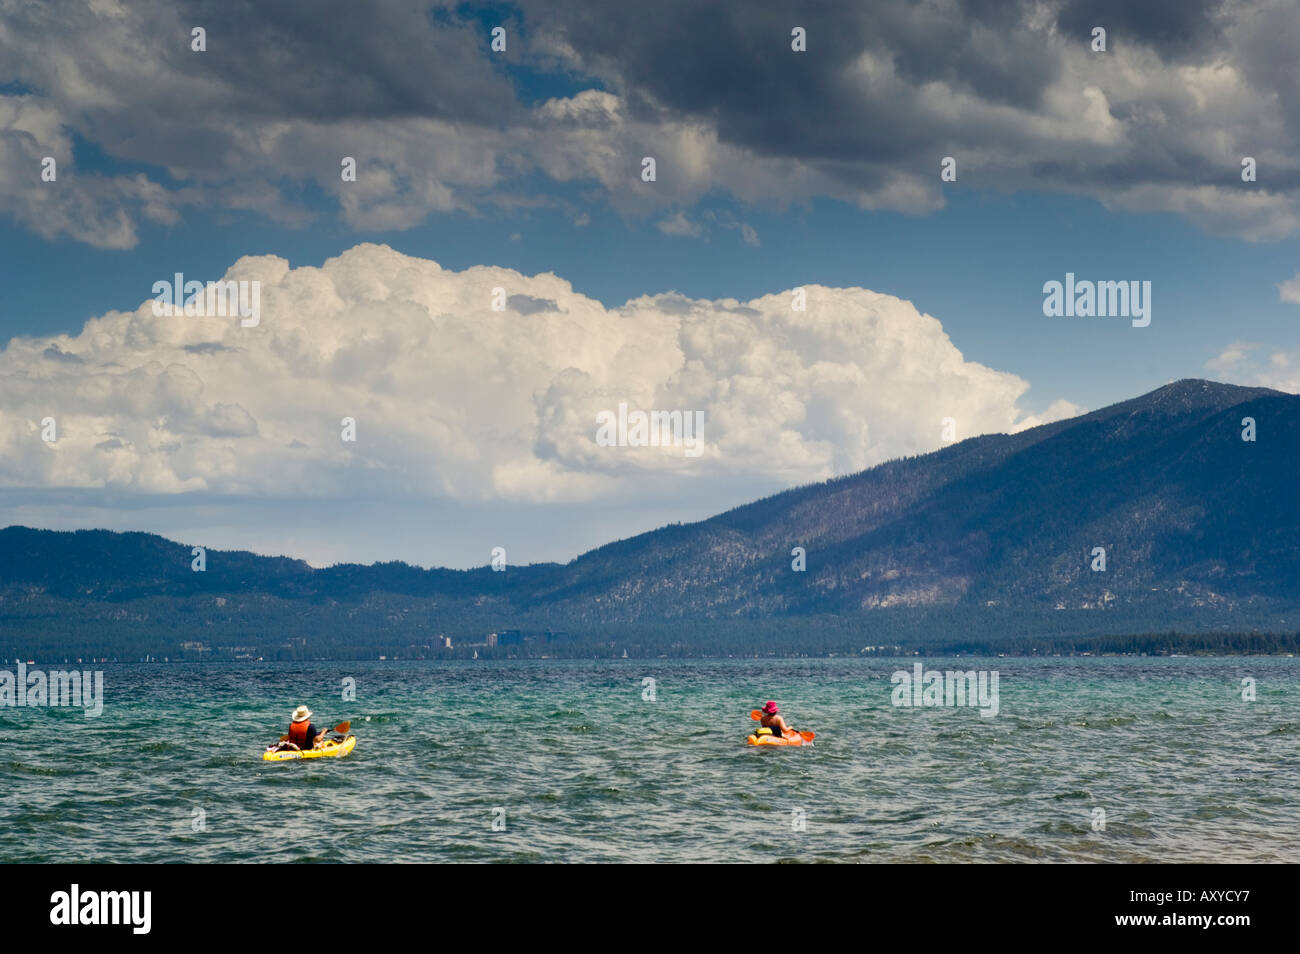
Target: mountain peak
[
  {"x": 1198, "y": 392},
  {"x": 1183, "y": 396}
]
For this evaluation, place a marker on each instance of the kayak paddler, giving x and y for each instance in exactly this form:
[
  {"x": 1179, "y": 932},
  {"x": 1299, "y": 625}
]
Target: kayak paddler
[
  {"x": 302, "y": 734},
  {"x": 771, "y": 720}
]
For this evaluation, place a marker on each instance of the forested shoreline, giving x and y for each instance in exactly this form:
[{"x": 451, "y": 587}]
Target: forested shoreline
[{"x": 287, "y": 632}]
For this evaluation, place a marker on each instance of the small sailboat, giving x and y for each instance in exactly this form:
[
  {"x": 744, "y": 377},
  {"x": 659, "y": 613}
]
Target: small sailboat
[
  {"x": 625, "y": 654},
  {"x": 476, "y": 654}
]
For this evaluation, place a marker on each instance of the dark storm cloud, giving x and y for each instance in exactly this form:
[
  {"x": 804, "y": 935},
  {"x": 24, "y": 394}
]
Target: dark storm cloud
[
  {"x": 161, "y": 102},
  {"x": 287, "y": 59},
  {"x": 334, "y": 59},
  {"x": 1174, "y": 29},
  {"x": 877, "y": 89},
  {"x": 434, "y": 119},
  {"x": 732, "y": 64}
]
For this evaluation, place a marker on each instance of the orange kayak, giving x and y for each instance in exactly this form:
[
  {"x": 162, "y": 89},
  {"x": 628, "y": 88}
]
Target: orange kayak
[{"x": 788, "y": 738}]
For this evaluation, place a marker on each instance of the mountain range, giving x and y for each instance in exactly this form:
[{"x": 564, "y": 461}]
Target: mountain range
[{"x": 1193, "y": 521}]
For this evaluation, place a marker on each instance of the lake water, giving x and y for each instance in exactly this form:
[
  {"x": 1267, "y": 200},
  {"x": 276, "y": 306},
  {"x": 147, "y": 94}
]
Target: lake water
[{"x": 575, "y": 764}]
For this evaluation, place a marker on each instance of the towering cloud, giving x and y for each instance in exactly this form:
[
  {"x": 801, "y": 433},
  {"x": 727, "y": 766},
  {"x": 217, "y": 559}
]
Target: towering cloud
[{"x": 454, "y": 400}]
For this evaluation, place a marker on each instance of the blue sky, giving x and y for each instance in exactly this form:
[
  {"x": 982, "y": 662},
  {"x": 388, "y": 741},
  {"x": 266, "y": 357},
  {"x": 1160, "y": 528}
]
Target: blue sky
[
  {"x": 978, "y": 265},
  {"x": 776, "y": 170}
]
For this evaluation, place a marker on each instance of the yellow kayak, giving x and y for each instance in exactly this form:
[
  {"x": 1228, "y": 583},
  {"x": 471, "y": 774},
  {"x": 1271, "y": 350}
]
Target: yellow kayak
[
  {"x": 329, "y": 749},
  {"x": 768, "y": 737}
]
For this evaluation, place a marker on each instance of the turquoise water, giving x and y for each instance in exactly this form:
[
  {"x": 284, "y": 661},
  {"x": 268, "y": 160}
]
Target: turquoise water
[{"x": 585, "y": 769}]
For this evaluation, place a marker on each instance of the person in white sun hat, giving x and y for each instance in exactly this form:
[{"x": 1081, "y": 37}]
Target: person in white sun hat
[{"x": 302, "y": 734}]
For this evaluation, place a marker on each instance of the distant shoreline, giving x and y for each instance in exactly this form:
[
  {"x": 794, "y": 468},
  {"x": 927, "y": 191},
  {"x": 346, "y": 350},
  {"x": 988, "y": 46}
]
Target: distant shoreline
[{"x": 702, "y": 657}]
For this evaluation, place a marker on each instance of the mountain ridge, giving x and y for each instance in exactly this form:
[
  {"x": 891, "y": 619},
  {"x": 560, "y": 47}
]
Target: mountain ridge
[{"x": 1190, "y": 516}]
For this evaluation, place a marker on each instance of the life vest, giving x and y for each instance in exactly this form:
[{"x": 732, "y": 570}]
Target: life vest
[{"x": 299, "y": 735}]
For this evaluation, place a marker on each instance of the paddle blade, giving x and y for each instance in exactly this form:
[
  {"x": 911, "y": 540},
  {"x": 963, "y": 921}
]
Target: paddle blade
[
  {"x": 756, "y": 715},
  {"x": 284, "y": 738},
  {"x": 808, "y": 736}
]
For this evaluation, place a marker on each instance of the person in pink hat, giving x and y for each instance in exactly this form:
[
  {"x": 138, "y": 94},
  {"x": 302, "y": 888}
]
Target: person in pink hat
[{"x": 773, "y": 721}]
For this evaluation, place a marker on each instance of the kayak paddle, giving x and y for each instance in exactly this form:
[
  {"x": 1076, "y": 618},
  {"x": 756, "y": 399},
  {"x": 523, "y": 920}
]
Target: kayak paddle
[{"x": 341, "y": 729}]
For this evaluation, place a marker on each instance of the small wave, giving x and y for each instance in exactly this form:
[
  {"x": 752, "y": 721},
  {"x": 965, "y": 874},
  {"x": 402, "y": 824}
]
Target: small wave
[
  {"x": 46, "y": 770},
  {"x": 158, "y": 747},
  {"x": 376, "y": 718}
]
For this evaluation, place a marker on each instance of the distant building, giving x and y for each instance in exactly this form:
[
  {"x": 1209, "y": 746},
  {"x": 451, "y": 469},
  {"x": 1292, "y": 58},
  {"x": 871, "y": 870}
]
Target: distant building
[
  {"x": 510, "y": 637},
  {"x": 491, "y": 639},
  {"x": 444, "y": 642}
]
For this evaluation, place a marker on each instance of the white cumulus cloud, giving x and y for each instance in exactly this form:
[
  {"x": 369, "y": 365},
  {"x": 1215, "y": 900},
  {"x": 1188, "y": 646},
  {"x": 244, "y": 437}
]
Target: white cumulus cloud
[
  {"x": 455, "y": 401},
  {"x": 1244, "y": 362}
]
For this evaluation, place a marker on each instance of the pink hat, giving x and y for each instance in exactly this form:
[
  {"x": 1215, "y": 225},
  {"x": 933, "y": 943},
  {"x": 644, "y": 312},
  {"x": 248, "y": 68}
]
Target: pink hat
[{"x": 771, "y": 708}]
